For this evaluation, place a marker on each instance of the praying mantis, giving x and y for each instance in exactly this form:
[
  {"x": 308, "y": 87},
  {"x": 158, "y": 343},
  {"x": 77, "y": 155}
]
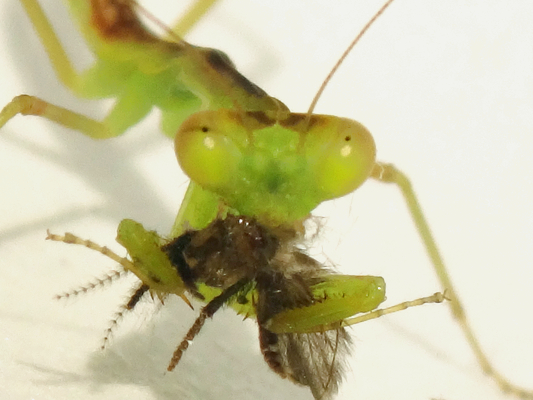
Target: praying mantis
[{"x": 359, "y": 227}]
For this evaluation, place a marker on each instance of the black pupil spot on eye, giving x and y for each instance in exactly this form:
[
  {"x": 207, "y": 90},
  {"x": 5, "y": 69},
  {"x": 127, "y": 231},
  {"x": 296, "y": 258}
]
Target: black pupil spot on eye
[
  {"x": 205, "y": 129},
  {"x": 347, "y": 138}
]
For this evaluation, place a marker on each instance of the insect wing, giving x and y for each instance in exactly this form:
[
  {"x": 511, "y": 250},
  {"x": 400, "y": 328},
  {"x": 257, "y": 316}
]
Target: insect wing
[{"x": 311, "y": 359}]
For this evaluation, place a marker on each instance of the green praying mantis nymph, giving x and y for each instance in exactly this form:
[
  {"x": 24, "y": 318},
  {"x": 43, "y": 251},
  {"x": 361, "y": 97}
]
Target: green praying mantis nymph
[{"x": 269, "y": 212}]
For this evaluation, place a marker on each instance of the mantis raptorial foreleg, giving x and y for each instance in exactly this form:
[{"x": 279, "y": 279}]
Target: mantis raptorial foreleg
[{"x": 388, "y": 173}]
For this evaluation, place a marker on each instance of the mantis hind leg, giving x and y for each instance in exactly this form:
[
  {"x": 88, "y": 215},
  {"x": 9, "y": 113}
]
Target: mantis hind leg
[{"x": 388, "y": 173}]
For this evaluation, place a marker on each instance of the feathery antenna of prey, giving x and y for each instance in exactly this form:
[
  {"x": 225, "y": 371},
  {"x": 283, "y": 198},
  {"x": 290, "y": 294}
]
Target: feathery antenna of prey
[{"x": 344, "y": 55}]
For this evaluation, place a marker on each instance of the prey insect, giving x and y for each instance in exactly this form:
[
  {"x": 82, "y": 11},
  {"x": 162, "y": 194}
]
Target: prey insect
[
  {"x": 301, "y": 307},
  {"x": 214, "y": 189}
]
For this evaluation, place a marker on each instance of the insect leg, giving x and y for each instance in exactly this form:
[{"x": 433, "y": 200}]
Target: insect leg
[
  {"x": 130, "y": 305},
  {"x": 388, "y": 173},
  {"x": 30, "y": 105},
  {"x": 207, "y": 312},
  {"x": 129, "y": 93},
  {"x": 69, "y": 238},
  {"x": 435, "y": 298},
  {"x": 192, "y": 16}
]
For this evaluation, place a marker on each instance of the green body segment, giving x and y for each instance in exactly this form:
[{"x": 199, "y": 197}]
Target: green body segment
[
  {"x": 152, "y": 266},
  {"x": 337, "y": 298},
  {"x": 198, "y": 209}
]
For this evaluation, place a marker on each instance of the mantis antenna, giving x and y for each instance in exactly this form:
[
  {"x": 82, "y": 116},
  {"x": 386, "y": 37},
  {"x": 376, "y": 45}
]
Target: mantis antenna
[{"x": 344, "y": 55}]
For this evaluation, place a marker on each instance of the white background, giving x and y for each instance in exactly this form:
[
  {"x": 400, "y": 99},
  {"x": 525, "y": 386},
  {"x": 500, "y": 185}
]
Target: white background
[{"x": 446, "y": 89}]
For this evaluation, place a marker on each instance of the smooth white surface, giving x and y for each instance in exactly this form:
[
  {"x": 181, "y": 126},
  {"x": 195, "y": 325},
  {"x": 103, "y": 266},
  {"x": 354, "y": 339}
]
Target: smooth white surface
[{"x": 446, "y": 89}]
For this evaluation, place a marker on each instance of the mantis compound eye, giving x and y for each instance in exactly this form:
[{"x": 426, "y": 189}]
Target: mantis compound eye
[
  {"x": 208, "y": 148},
  {"x": 341, "y": 153}
]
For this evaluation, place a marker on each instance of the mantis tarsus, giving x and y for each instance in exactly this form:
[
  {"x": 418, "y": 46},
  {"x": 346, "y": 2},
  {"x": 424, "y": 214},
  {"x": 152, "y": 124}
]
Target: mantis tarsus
[{"x": 396, "y": 134}]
